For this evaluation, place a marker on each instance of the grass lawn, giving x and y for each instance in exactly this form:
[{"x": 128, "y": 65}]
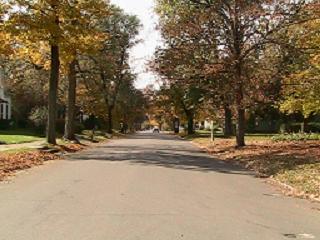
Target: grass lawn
[{"x": 18, "y": 136}]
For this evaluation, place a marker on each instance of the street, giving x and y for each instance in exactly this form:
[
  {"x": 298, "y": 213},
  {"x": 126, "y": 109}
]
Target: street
[{"x": 149, "y": 187}]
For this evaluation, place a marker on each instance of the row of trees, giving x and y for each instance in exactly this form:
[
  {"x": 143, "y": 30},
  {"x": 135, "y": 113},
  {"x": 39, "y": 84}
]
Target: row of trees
[
  {"x": 82, "y": 47},
  {"x": 236, "y": 55}
]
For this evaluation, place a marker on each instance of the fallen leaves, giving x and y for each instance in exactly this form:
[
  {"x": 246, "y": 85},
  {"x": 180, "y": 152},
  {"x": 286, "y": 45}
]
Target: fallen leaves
[
  {"x": 10, "y": 163},
  {"x": 13, "y": 162},
  {"x": 295, "y": 164}
]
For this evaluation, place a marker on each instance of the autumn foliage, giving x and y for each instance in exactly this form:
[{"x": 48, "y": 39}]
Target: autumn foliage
[{"x": 241, "y": 56}]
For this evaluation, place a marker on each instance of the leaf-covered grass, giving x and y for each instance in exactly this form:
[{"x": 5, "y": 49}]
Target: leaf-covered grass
[
  {"x": 305, "y": 178},
  {"x": 18, "y": 150},
  {"x": 296, "y": 164},
  {"x": 207, "y": 134},
  {"x": 15, "y": 160},
  {"x": 18, "y": 136}
]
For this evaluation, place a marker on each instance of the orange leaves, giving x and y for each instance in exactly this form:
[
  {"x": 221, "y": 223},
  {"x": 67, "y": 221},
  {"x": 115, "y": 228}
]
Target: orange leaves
[{"x": 10, "y": 163}]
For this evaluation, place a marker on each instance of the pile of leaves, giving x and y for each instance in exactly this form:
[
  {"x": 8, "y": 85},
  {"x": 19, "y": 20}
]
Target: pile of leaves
[
  {"x": 13, "y": 162},
  {"x": 295, "y": 164},
  {"x": 72, "y": 147}
]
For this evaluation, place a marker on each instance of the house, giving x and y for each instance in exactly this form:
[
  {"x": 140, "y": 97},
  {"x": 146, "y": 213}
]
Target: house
[{"x": 5, "y": 100}]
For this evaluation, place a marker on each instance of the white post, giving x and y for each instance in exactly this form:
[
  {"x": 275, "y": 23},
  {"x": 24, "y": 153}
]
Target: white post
[{"x": 212, "y": 132}]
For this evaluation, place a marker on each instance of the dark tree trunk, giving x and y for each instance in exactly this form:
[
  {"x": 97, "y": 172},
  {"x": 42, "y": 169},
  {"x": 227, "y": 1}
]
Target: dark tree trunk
[
  {"x": 304, "y": 125},
  {"x": 228, "y": 131},
  {"x": 238, "y": 44},
  {"x": 190, "y": 124},
  {"x": 53, "y": 93},
  {"x": 241, "y": 127},
  {"x": 110, "y": 120},
  {"x": 71, "y": 105}
]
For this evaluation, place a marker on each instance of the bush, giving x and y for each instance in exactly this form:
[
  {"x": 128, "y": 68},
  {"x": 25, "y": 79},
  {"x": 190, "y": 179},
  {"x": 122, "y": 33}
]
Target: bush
[
  {"x": 60, "y": 123},
  {"x": 296, "y": 127},
  {"x": 313, "y": 127},
  {"x": 38, "y": 118},
  {"x": 296, "y": 137},
  {"x": 5, "y": 124},
  {"x": 79, "y": 127},
  {"x": 60, "y": 127},
  {"x": 91, "y": 122}
]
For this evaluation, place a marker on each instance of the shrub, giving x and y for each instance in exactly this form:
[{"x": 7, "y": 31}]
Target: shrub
[
  {"x": 296, "y": 137},
  {"x": 295, "y": 127},
  {"x": 79, "y": 127},
  {"x": 60, "y": 127},
  {"x": 38, "y": 118},
  {"x": 314, "y": 127},
  {"x": 5, "y": 124},
  {"x": 60, "y": 124}
]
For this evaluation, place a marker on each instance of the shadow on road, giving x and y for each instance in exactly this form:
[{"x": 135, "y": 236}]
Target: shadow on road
[{"x": 158, "y": 150}]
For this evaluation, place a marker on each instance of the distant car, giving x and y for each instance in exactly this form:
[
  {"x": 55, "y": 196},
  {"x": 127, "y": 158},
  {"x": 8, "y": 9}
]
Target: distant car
[{"x": 156, "y": 130}]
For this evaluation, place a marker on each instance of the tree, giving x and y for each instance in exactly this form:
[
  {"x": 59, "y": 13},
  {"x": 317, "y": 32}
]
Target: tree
[
  {"x": 85, "y": 37},
  {"x": 5, "y": 38},
  {"x": 51, "y": 22},
  {"x": 131, "y": 106},
  {"x": 27, "y": 85},
  {"x": 106, "y": 71},
  {"x": 301, "y": 83},
  {"x": 239, "y": 30},
  {"x": 178, "y": 100}
]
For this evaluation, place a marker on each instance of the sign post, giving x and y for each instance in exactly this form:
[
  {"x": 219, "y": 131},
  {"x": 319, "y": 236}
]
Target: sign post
[{"x": 212, "y": 131}]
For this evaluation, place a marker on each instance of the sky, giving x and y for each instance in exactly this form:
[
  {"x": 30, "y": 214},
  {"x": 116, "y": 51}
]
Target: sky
[{"x": 143, "y": 52}]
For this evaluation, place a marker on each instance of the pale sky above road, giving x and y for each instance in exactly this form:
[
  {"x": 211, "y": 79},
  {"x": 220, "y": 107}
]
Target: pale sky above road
[{"x": 151, "y": 37}]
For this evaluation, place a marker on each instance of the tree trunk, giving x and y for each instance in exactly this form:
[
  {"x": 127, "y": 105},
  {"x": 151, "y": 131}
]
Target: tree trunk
[
  {"x": 53, "y": 93},
  {"x": 71, "y": 105},
  {"x": 304, "y": 125},
  {"x": 190, "y": 124},
  {"x": 241, "y": 127},
  {"x": 110, "y": 120},
  {"x": 228, "y": 131}
]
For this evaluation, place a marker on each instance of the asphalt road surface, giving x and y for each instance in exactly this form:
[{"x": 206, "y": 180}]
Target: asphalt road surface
[{"x": 149, "y": 187}]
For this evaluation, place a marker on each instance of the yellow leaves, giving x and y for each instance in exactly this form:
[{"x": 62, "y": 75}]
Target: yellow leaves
[
  {"x": 34, "y": 25},
  {"x": 302, "y": 86},
  {"x": 37, "y": 53},
  {"x": 57, "y": 21},
  {"x": 5, "y": 47}
]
